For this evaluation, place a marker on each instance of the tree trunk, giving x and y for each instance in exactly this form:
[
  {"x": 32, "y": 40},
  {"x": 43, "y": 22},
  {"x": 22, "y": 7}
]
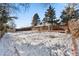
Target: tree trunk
[
  {"x": 74, "y": 47},
  {"x": 67, "y": 28},
  {"x": 49, "y": 28},
  {"x": 1, "y": 34},
  {"x": 2, "y": 31},
  {"x": 74, "y": 27}
]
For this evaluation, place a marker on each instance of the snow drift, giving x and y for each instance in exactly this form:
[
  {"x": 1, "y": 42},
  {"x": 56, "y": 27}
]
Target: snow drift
[{"x": 35, "y": 44}]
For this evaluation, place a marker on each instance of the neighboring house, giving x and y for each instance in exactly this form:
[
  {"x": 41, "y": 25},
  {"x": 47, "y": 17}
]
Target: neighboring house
[
  {"x": 45, "y": 27},
  {"x": 40, "y": 28}
]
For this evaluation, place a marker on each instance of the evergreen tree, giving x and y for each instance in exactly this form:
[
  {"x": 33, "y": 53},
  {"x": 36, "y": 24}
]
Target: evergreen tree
[
  {"x": 69, "y": 13},
  {"x": 49, "y": 15},
  {"x": 5, "y": 11},
  {"x": 35, "y": 20}
]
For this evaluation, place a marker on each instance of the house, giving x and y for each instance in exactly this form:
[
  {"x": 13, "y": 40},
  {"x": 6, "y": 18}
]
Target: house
[{"x": 49, "y": 27}]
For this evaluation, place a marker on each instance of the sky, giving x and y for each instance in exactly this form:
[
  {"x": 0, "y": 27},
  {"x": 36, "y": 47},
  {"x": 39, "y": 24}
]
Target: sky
[{"x": 25, "y": 17}]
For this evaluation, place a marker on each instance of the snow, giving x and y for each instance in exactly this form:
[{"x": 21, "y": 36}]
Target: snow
[{"x": 30, "y": 43}]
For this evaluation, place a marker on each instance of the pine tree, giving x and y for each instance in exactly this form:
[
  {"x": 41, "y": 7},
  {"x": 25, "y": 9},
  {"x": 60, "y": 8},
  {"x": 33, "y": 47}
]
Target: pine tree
[
  {"x": 49, "y": 17},
  {"x": 69, "y": 13},
  {"x": 5, "y": 11},
  {"x": 35, "y": 20},
  {"x": 50, "y": 14}
]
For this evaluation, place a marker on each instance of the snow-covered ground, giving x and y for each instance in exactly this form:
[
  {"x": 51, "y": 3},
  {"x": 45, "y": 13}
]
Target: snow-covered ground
[{"x": 35, "y": 44}]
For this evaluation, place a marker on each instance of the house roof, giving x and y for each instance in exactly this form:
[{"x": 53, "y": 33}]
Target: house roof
[{"x": 46, "y": 24}]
